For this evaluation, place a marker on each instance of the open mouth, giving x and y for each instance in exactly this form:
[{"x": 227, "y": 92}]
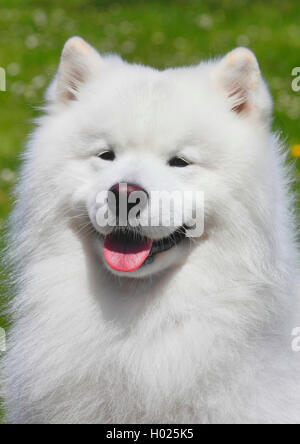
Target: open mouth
[{"x": 127, "y": 250}]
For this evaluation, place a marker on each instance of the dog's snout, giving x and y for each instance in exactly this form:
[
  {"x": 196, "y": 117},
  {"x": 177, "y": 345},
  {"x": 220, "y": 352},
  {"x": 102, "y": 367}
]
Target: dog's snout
[{"x": 127, "y": 194}]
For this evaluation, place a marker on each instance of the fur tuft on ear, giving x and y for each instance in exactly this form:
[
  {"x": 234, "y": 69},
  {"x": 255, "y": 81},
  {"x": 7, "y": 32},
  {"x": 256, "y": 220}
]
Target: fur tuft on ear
[
  {"x": 239, "y": 78},
  {"x": 79, "y": 62}
]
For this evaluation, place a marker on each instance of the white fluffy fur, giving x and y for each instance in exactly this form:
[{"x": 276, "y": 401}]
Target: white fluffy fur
[{"x": 204, "y": 334}]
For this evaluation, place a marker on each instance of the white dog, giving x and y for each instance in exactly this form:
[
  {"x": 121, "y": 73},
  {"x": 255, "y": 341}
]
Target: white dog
[{"x": 155, "y": 327}]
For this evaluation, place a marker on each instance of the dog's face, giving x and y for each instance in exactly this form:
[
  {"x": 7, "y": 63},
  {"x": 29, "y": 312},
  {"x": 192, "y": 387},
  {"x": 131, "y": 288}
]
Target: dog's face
[{"x": 130, "y": 134}]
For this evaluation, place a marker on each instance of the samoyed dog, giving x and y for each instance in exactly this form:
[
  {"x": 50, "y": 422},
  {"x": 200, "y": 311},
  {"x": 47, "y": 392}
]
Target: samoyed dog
[{"x": 147, "y": 324}]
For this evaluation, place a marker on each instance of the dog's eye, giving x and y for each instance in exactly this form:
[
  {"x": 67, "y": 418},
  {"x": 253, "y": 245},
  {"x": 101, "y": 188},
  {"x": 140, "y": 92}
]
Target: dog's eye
[
  {"x": 107, "y": 155},
  {"x": 178, "y": 162}
]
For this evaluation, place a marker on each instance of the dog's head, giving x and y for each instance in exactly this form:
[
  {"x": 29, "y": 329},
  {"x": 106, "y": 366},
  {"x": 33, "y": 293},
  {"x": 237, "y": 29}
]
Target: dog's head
[{"x": 135, "y": 146}]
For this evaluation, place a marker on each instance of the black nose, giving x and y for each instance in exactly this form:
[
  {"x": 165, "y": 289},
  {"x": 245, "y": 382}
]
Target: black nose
[{"x": 126, "y": 196}]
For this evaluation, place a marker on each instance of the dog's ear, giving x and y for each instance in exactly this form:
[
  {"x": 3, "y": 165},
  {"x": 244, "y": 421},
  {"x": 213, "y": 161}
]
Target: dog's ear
[
  {"x": 79, "y": 62},
  {"x": 239, "y": 79}
]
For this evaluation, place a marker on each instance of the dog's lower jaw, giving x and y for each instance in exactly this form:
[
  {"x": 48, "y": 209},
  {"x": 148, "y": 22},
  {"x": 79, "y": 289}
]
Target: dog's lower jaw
[
  {"x": 165, "y": 252},
  {"x": 154, "y": 264}
]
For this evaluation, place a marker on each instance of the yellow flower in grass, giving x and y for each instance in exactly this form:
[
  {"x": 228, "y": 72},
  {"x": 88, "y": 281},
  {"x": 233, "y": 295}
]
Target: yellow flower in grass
[{"x": 295, "y": 151}]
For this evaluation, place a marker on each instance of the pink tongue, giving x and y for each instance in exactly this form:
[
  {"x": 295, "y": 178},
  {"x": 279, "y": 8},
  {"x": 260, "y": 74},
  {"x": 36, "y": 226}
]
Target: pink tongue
[{"x": 123, "y": 256}]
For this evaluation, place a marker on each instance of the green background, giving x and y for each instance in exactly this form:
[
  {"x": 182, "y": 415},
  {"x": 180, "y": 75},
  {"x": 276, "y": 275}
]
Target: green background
[{"x": 160, "y": 33}]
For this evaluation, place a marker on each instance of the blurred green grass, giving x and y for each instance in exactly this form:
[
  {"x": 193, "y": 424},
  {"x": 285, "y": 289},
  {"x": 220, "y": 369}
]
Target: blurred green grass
[{"x": 160, "y": 33}]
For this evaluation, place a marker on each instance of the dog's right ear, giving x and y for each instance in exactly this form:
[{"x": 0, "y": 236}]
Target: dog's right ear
[{"x": 79, "y": 62}]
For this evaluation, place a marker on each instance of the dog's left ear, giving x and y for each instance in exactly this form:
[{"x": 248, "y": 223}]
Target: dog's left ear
[
  {"x": 79, "y": 63},
  {"x": 239, "y": 79}
]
